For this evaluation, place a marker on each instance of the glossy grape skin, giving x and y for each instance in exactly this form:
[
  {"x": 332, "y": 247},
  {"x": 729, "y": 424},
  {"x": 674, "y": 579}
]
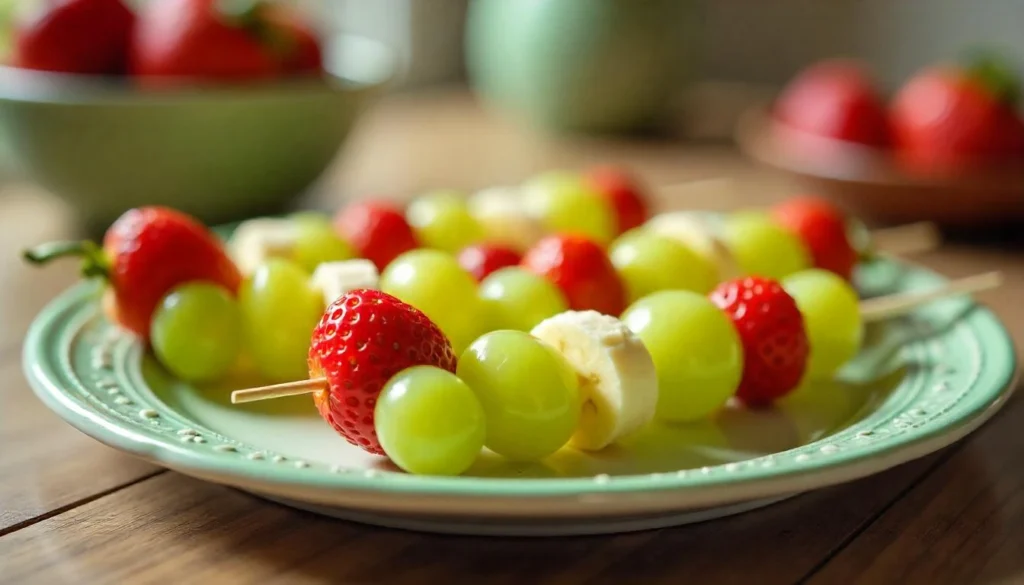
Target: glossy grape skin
[
  {"x": 831, "y": 311},
  {"x": 696, "y": 350},
  {"x": 317, "y": 241},
  {"x": 196, "y": 331},
  {"x": 761, "y": 247},
  {"x": 648, "y": 262},
  {"x": 442, "y": 221},
  {"x": 429, "y": 422},
  {"x": 280, "y": 308},
  {"x": 566, "y": 203},
  {"x": 529, "y": 393},
  {"x": 433, "y": 282},
  {"x": 518, "y": 299}
]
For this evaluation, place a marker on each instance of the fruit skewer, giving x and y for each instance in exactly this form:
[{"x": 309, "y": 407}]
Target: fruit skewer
[
  {"x": 872, "y": 310},
  {"x": 584, "y": 351}
]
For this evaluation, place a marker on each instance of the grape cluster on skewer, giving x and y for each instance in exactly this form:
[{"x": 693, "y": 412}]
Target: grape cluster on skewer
[{"x": 574, "y": 317}]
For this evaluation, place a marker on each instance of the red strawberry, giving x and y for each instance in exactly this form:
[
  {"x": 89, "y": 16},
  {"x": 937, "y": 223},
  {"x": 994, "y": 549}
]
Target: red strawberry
[
  {"x": 483, "y": 259},
  {"x": 823, "y": 229},
  {"x": 771, "y": 328},
  {"x": 623, "y": 193},
  {"x": 377, "y": 230},
  {"x": 74, "y": 36},
  {"x": 951, "y": 118},
  {"x": 147, "y": 252},
  {"x": 363, "y": 339},
  {"x": 581, "y": 268},
  {"x": 197, "y": 39},
  {"x": 835, "y": 99},
  {"x": 296, "y": 44}
]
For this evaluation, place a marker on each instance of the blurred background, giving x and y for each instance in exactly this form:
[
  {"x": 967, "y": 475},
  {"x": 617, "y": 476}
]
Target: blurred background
[
  {"x": 547, "y": 73},
  {"x": 745, "y": 41}
]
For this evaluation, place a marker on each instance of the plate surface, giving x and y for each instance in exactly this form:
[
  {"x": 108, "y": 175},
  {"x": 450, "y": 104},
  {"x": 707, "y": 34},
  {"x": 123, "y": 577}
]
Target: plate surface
[{"x": 920, "y": 383}]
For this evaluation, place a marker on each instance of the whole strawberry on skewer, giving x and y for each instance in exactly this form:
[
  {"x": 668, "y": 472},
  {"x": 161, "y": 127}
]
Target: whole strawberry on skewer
[
  {"x": 145, "y": 253},
  {"x": 371, "y": 347}
]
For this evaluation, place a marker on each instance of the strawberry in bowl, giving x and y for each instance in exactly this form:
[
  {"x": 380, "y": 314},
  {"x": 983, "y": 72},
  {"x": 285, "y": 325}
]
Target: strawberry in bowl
[
  {"x": 946, "y": 147},
  {"x": 220, "y": 109}
]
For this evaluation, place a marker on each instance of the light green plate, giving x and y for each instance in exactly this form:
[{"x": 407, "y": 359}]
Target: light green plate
[{"x": 920, "y": 384}]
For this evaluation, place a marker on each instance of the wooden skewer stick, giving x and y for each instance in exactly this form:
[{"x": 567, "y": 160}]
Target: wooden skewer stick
[
  {"x": 278, "y": 390},
  {"x": 881, "y": 308},
  {"x": 912, "y": 238},
  {"x": 871, "y": 310}
]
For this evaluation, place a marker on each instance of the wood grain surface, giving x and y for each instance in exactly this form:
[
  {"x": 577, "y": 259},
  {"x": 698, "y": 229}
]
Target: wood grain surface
[
  {"x": 75, "y": 511},
  {"x": 239, "y": 538}
]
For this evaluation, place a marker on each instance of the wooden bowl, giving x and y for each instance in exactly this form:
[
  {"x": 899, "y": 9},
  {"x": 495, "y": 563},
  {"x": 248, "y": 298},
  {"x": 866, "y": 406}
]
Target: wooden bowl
[{"x": 870, "y": 184}]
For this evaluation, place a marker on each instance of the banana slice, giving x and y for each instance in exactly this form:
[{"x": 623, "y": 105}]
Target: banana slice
[
  {"x": 335, "y": 279},
  {"x": 698, "y": 233},
  {"x": 618, "y": 384},
  {"x": 501, "y": 212},
  {"x": 256, "y": 240}
]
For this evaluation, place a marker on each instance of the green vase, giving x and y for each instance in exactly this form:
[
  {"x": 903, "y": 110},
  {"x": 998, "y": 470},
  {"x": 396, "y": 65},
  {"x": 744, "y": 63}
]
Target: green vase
[{"x": 581, "y": 65}]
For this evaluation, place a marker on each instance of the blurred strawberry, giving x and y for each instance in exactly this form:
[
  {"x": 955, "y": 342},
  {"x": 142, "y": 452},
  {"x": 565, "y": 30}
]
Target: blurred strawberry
[
  {"x": 623, "y": 192},
  {"x": 377, "y": 230},
  {"x": 835, "y": 99},
  {"x": 203, "y": 39},
  {"x": 481, "y": 260},
  {"x": 580, "y": 267},
  {"x": 296, "y": 44},
  {"x": 953, "y": 118},
  {"x": 74, "y": 36},
  {"x": 823, "y": 229}
]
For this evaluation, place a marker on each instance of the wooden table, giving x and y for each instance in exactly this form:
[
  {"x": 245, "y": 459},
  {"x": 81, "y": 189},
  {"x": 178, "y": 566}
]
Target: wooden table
[{"x": 74, "y": 511}]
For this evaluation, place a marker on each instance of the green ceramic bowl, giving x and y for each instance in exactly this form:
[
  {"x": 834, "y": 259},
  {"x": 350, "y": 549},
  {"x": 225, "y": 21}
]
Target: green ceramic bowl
[
  {"x": 221, "y": 153},
  {"x": 581, "y": 65}
]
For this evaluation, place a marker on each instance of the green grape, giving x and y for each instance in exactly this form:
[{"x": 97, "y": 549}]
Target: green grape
[
  {"x": 442, "y": 221},
  {"x": 763, "y": 248},
  {"x": 696, "y": 351},
  {"x": 529, "y": 392},
  {"x": 317, "y": 242},
  {"x": 648, "y": 262},
  {"x": 518, "y": 299},
  {"x": 433, "y": 282},
  {"x": 197, "y": 331},
  {"x": 280, "y": 309},
  {"x": 564, "y": 203},
  {"x": 429, "y": 422},
  {"x": 831, "y": 312}
]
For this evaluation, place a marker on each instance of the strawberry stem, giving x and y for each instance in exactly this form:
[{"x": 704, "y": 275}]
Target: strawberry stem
[
  {"x": 995, "y": 75},
  {"x": 246, "y": 14},
  {"x": 94, "y": 261},
  {"x": 252, "y": 16}
]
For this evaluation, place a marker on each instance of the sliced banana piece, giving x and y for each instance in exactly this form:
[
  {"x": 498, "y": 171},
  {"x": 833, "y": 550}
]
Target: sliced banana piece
[
  {"x": 503, "y": 215},
  {"x": 334, "y": 279},
  {"x": 699, "y": 234},
  {"x": 618, "y": 384},
  {"x": 256, "y": 240}
]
